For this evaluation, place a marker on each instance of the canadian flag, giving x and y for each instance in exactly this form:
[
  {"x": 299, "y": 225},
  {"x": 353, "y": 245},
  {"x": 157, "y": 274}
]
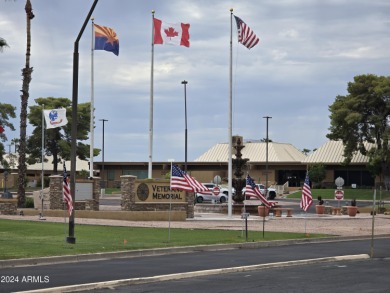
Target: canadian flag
[{"x": 171, "y": 34}]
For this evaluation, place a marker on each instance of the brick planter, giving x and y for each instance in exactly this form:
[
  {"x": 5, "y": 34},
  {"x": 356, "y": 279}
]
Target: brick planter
[{"x": 8, "y": 206}]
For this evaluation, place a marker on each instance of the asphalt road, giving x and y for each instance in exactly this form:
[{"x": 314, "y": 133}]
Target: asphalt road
[
  {"x": 54, "y": 275},
  {"x": 351, "y": 276}
]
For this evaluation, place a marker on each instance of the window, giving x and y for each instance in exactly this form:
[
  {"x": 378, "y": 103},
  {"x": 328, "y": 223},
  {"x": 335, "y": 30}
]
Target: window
[
  {"x": 110, "y": 175},
  {"x": 141, "y": 174}
]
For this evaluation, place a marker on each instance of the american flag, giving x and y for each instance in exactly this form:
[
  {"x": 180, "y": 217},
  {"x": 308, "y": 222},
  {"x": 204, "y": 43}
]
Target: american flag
[
  {"x": 253, "y": 190},
  {"x": 66, "y": 192},
  {"x": 182, "y": 181},
  {"x": 307, "y": 198},
  {"x": 246, "y": 35}
]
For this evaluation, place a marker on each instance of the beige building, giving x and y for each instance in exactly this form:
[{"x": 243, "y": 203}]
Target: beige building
[
  {"x": 286, "y": 166},
  {"x": 34, "y": 171},
  {"x": 331, "y": 155}
]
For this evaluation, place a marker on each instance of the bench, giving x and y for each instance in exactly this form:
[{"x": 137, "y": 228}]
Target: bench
[{"x": 278, "y": 211}]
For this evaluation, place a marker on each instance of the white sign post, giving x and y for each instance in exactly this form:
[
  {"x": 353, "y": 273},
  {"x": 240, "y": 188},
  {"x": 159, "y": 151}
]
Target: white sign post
[{"x": 339, "y": 193}]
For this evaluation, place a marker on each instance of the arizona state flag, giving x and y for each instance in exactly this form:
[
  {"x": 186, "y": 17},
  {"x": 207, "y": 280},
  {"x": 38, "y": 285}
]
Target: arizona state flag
[{"x": 106, "y": 39}]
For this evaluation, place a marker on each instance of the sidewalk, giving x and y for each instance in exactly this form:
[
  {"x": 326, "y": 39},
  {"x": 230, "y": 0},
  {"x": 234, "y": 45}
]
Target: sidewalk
[{"x": 361, "y": 225}]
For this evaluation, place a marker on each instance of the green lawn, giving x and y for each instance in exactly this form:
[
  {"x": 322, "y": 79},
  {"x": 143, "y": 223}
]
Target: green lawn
[
  {"x": 112, "y": 190},
  {"x": 23, "y": 239},
  {"x": 349, "y": 194}
]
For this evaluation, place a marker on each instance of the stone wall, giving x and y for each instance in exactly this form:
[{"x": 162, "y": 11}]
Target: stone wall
[
  {"x": 93, "y": 204},
  {"x": 56, "y": 195},
  {"x": 129, "y": 202},
  {"x": 8, "y": 206}
]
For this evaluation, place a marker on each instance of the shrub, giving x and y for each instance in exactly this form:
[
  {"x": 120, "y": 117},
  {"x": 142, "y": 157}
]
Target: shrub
[{"x": 29, "y": 202}]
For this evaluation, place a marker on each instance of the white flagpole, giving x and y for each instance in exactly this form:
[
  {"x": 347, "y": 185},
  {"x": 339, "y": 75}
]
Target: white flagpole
[
  {"x": 305, "y": 221},
  {"x": 170, "y": 207},
  {"x": 43, "y": 159},
  {"x": 64, "y": 208},
  {"x": 372, "y": 229},
  {"x": 92, "y": 104},
  {"x": 151, "y": 106},
  {"x": 230, "y": 163}
]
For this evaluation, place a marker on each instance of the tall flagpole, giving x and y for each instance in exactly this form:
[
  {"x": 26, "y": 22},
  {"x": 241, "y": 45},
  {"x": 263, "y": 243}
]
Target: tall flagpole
[
  {"x": 230, "y": 164},
  {"x": 92, "y": 104},
  {"x": 151, "y": 106},
  {"x": 43, "y": 159}
]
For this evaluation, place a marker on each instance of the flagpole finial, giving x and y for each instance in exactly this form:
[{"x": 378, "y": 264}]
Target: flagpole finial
[
  {"x": 153, "y": 11},
  {"x": 231, "y": 10},
  {"x": 92, "y": 18}
]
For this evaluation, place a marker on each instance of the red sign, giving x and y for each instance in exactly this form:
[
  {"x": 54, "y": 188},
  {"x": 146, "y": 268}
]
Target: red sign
[
  {"x": 1, "y": 129},
  {"x": 216, "y": 190},
  {"x": 339, "y": 194}
]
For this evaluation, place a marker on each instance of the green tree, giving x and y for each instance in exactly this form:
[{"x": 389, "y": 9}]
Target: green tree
[
  {"x": 361, "y": 117},
  {"x": 15, "y": 143},
  {"x": 3, "y": 44},
  {"x": 26, "y": 73},
  {"x": 265, "y": 140},
  {"x": 306, "y": 151},
  {"x": 58, "y": 140},
  {"x": 7, "y": 111},
  {"x": 317, "y": 173}
]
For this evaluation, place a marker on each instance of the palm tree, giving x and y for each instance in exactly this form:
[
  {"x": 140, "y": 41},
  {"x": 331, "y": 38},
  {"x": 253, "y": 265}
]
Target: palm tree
[
  {"x": 3, "y": 44},
  {"x": 26, "y": 73}
]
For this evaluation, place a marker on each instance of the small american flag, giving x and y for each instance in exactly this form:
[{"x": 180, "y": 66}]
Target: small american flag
[
  {"x": 66, "y": 192},
  {"x": 246, "y": 35},
  {"x": 307, "y": 198},
  {"x": 182, "y": 181},
  {"x": 252, "y": 189}
]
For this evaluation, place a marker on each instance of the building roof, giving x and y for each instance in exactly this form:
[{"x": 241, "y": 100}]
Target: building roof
[
  {"x": 80, "y": 164},
  {"x": 256, "y": 152},
  {"x": 332, "y": 153}
]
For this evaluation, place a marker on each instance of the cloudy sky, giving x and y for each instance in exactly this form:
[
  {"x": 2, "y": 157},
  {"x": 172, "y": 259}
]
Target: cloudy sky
[{"x": 309, "y": 50}]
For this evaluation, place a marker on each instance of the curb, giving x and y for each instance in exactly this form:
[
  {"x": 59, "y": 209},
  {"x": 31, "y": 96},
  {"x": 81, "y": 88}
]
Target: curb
[{"x": 134, "y": 281}]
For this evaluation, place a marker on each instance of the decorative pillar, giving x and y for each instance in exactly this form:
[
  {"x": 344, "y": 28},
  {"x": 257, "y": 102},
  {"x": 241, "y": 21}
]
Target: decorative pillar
[
  {"x": 190, "y": 196},
  {"x": 56, "y": 193},
  {"x": 128, "y": 191}
]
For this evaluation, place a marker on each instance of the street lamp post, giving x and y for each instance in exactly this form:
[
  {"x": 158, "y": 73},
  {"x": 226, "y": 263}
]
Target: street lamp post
[
  {"x": 104, "y": 183},
  {"x": 266, "y": 157},
  {"x": 266, "y": 166},
  {"x": 185, "y": 119},
  {"x": 75, "y": 88}
]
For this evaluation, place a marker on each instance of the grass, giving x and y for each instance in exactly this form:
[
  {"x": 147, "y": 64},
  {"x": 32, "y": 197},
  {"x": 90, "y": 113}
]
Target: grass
[
  {"x": 112, "y": 190},
  {"x": 349, "y": 194},
  {"x": 24, "y": 239}
]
